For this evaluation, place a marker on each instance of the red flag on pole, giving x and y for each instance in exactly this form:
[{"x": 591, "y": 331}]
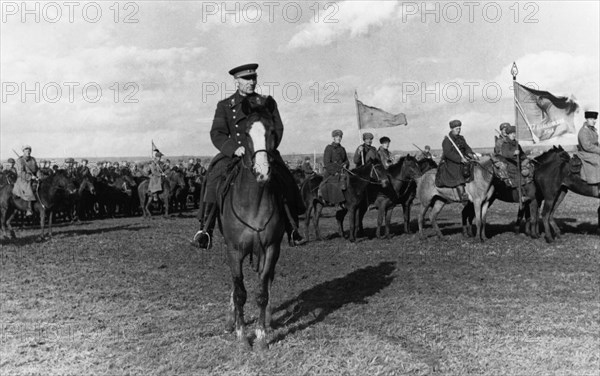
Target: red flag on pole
[{"x": 541, "y": 116}]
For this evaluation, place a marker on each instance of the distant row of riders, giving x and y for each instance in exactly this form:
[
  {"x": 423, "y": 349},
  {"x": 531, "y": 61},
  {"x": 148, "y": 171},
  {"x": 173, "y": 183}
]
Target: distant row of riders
[{"x": 78, "y": 192}]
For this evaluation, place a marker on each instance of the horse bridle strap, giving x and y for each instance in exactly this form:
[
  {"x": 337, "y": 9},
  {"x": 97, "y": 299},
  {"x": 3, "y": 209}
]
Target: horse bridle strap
[
  {"x": 258, "y": 230},
  {"x": 363, "y": 179}
]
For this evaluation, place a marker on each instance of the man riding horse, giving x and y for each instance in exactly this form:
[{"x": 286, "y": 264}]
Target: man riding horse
[
  {"x": 27, "y": 173},
  {"x": 229, "y": 135},
  {"x": 455, "y": 152},
  {"x": 366, "y": 152},
  {"x": 588, "y": 149},
  {"x": 157, "y": 173},
  {"x": 335, "y": 160}
]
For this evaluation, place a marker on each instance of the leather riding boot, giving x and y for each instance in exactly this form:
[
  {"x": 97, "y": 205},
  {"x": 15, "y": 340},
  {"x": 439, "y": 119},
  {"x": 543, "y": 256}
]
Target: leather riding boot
[
  {"x": 203, "y": 238},
  {"x": 292, "y": 226},
  {"x": 464, "y": 197}
]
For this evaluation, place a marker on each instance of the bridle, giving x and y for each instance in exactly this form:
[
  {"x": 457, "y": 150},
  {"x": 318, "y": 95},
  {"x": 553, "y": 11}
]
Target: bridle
[{"x": 373, "y": 170}]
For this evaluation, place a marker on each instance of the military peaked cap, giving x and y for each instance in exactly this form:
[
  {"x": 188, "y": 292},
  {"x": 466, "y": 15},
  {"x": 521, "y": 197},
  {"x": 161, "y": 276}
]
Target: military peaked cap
[
  {"x": 244, "y": 70},
  {"x": 591, "y": 114},
  {"x": 384, "y": 139},
  {"x": 367, "y": 135}
]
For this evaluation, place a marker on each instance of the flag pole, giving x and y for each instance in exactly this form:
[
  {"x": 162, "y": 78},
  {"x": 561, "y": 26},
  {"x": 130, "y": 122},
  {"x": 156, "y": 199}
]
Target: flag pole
[
  {"x": 514, "y": 71},
  {"x": 362, "y": 155}
]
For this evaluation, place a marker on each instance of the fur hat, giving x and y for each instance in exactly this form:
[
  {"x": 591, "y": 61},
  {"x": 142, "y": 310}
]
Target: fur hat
[{"x": 455, "y": 123}]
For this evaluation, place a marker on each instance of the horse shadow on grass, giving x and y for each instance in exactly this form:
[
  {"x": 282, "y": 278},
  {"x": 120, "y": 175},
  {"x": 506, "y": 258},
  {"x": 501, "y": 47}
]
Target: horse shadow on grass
[
  {"x": 315, "y": 304},
  {"x": 34, "y": 238}
]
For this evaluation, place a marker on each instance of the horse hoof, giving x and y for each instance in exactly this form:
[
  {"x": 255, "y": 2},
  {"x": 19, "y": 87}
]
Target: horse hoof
[{"x": 261, "y": 345}]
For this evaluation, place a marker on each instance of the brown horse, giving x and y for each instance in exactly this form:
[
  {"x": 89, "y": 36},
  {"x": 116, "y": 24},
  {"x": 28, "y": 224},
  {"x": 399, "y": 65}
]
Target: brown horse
[
  {"x": 173, "y": 183},
  {"x": 358, "y": 180},
  {"x": 556, "y": 174},
  {"x": 50, "y": 192},
  {"x": 480, "y": 191},
  {"x": 402, "y": 190},
  {"x": 252, "y": 218}
]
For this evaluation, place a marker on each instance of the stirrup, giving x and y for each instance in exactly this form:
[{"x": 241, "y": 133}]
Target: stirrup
[{"x": 197, "y": 235}]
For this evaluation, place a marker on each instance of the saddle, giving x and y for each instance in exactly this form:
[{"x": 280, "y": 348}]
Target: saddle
[
  {"x": 332, "y": 188},
  {"x": 507, "y": 172}
]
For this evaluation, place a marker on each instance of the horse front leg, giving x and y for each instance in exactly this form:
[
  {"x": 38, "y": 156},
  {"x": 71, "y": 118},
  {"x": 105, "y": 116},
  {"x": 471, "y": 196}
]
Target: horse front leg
[
  {"x": 239, "y": 296},
  {"x": 318, "y": 208},
  {"x": 533, "y": 212},
  {"x": 468, "y": 213},
  {"x": 477, "y": 204},
  {"x": 421, "y": 218},
  {"x": 307, "y": 214},
  {"x": 406, "y": 212},
  {"x": 42, "y": 222},
  {"x": 352, "y": 223},
  {"x": 388, "y": 220},
  {"x": 50, "y": 223},
  {"x": 339, "y": 216},
  {"x": 263, "y": 299},
  {"x": 437, "y": 208}
]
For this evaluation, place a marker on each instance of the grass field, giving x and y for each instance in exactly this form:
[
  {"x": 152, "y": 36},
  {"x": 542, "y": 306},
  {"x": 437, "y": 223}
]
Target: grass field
[{"x": 128, "y": 296}]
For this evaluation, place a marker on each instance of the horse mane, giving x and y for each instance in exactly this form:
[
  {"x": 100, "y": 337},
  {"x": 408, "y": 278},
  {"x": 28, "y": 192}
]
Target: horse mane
[{"x": 559, "y": 151}]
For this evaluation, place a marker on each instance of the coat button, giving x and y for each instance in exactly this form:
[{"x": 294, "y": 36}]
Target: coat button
[
  {"x": 237, "y": 134},
  {"x": 234, "y": 110},
  {"x": 236, "y": 125},
  {"x": 239, "y": 142},
  {"x": 234, "y": 116}
]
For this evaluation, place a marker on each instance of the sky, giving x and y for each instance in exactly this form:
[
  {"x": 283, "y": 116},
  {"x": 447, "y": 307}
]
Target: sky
[{"x": 100, "y": 79}]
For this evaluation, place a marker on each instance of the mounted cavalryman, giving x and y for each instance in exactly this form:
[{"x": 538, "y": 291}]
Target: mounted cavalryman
[
  {"x": 455, "y": 152},
  {"x": 366, "y": 153},
  {"x": 229, "y": 135},
  {"x": 27, "y": 173},
  {"x": 157, "y": 173},
  {"x": 588, "y": 149}
]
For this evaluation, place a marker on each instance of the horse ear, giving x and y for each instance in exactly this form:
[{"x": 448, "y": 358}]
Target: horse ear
[
  {"x": 270, "y": 104},
  {"x": 246, "y": 107}
]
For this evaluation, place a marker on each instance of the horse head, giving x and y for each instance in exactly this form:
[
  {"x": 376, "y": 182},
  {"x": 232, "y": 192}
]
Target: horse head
[
  {"x": 61, "y": 180},
  {"x": 87, "y": 185},
  {"x": 262, "y": 139},
  {"x": 410, "y": 169}
]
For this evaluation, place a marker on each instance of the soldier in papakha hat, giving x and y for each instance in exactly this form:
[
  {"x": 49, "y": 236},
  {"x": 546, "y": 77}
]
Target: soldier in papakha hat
[
  {"x": 588, "y": 149},
  {"x": 27, "y": 173},
  {"x": 501, "y": 138},
  {"x": 450, "y": 171},
  {"x": 366, "y": 152},
  {"x": 229, "y": 135}
]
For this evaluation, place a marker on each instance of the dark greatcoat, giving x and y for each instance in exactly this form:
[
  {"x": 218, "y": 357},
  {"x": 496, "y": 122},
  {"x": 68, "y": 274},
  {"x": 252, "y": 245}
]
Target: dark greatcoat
[
  {"x": 507, "y": 151},
  {"x": 369, "y": 153},
  {"x": 334, "y": 158},
  {"x": 450, "y": 169},
  {"x": 228, "y": 132}
]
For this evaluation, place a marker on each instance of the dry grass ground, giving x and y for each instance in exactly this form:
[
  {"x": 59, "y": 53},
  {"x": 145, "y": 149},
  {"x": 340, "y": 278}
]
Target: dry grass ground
[{"x": 128, "y": 296}]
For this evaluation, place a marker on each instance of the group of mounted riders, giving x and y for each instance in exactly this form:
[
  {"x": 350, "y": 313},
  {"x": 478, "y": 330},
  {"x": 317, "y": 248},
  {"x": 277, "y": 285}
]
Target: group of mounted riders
[
  {"x": 229, "y": 134},
  {"x": 105, "y": 189}
]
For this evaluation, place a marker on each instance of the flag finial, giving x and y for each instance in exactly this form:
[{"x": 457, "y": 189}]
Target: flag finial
[{"x": 514, "y": 70}]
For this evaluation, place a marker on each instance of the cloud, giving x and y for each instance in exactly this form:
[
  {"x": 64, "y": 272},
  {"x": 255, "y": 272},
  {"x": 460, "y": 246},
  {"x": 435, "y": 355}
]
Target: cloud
[{"x": 348, "y": 18}]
